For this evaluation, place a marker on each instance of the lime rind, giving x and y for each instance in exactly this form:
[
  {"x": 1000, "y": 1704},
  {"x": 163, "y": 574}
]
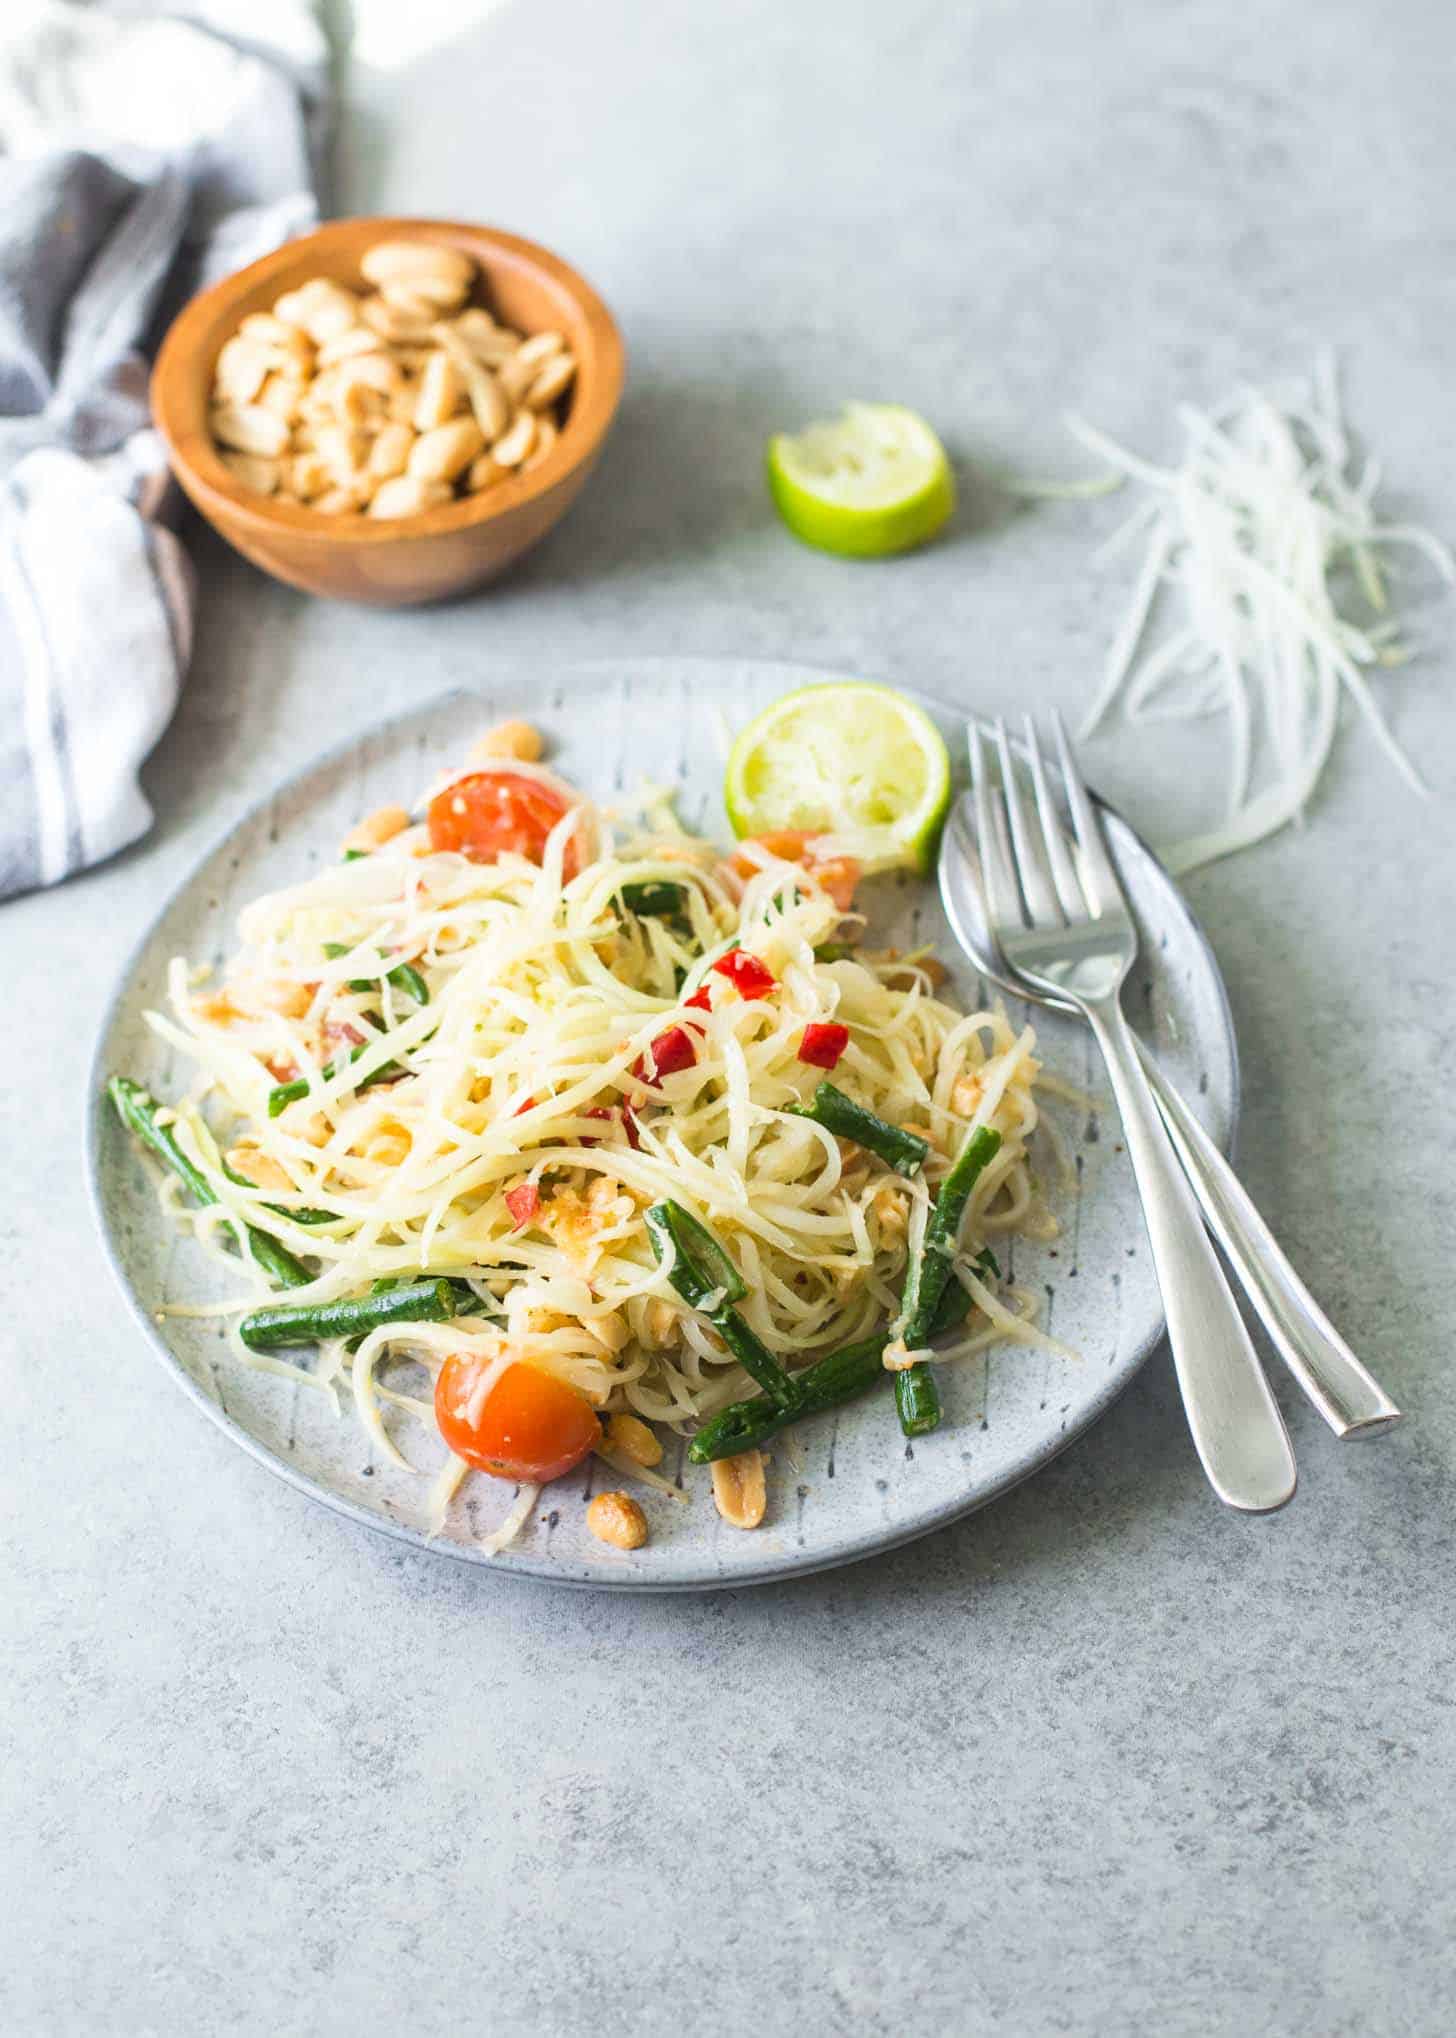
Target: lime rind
[{"x": 848, "y": 759}]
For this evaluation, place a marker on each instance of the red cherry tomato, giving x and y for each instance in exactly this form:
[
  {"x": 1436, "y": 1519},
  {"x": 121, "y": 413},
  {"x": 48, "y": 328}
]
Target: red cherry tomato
[
  {"x": 823, "y": 1043},
  {"x": 530, "y": 1426},
  {"x": 487, "y": 813},
  {"x": 523, "y": 1202},
  {"x": 748, "y": 976}
]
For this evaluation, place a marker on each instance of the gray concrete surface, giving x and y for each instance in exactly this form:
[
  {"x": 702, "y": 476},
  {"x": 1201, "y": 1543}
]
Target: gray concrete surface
[{"x": 1103, "y": 1760}]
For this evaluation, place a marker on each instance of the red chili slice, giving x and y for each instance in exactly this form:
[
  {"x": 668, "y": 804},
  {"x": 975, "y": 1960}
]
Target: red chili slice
[
  {"x": 699, "y": 1001},
  {"x": 823, "y": 1043},
  {"x": 670, "y": 1052},
  {"x": 748, "y": 976},
  {"x": 523, "y": 1202},
  {"x": 596, "y": 1111}
]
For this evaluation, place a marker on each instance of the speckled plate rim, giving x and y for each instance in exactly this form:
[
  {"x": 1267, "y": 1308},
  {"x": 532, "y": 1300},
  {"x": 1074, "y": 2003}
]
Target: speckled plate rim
[{"x": 784, "y": 1565}]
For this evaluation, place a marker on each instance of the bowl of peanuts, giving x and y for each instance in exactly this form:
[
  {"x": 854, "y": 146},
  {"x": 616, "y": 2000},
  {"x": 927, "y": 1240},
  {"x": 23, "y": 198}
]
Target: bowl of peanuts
[{"x": 389, "y": 410}]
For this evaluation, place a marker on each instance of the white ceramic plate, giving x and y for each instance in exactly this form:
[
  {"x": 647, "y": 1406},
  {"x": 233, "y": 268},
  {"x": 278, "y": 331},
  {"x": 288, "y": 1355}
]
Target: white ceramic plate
[{"x": 850, "y": 1484}]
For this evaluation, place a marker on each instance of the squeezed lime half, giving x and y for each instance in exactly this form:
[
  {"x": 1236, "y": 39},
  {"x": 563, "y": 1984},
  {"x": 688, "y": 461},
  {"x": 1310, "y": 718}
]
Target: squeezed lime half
[
  {"x": 848, "y": 759},
  {"x": 869, "y": 483}
]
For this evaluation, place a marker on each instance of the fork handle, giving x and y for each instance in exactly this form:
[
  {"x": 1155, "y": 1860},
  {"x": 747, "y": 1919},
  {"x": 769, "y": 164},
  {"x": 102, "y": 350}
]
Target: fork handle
[
  {"x": 1350, "y": 1399},
  {"x": 1238, "y": 1431}
]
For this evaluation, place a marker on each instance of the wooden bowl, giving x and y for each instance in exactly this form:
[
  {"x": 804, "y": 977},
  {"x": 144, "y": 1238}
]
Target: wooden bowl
[{"x": 442, "y": 551}]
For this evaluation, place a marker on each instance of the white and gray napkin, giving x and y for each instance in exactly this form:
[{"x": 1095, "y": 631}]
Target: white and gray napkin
[{"x": 142, "y": 155}]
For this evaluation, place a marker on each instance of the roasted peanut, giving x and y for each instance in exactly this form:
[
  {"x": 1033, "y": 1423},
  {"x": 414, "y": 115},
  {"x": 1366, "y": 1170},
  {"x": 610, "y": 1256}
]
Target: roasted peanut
[
  {"x": 442, "y": 392},
  {"x": 407, "y": 494},
  {"x": 247, "y": 428},
  {"x": 389, "y": 455},
  {"x": 259, "y": 1168},
  {"x": 484, "y": 473},
  {"x": 512, "y": 448},
  {"x": 630, "y": 1435},
  {"x": 739, "y": 1491},
  {"x": 376, "y": 829},
  {"x": 553, "y": 382},
  {"x": 545, "y": 438},
  {"x": 446, "y": 451},
  {"x": 617, "y": 1519},
  {"x": 442, "y": 274},
  {"x": 242, "y": 369},
  {"x": 253, "y": 471},
  {"x": 509, "y": 739}
]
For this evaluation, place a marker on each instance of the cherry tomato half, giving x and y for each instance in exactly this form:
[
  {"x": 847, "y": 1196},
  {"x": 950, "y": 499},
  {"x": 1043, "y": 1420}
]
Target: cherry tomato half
[
  {"x": 487, "y": 813},
  {"x": 531, "y": 1426}
]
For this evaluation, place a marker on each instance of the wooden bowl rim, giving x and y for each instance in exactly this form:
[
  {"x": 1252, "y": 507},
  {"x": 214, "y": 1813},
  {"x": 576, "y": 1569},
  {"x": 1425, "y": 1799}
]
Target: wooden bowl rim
[{"x": 601, "y": 371}]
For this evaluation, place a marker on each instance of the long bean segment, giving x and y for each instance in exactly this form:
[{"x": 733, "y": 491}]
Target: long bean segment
[
  {"x": 707, "y": 1279},
  {"x": 404, "y": 976},
  {"x": 284, "y": 1094},
  {"x": 352, "y": 1317},
  {"x": 843, "y": 1376},
  {"x": 839, "y": 1114},
  {"x": 653, "y": 899},
  {"x": 917, "y": 1398},
  {"x": 930, "y": 1268},
  {"x": 137, "y": 1110},
  {"x": 701, "y": 1267}
]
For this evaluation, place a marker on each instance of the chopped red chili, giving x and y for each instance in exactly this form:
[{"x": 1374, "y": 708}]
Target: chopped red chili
[
  {"x": 699, "y": 1001},
  {"x": 823, "y": 1043},
  {"x": 670, "y": 1052},
  {"x": 748, "y": 976}
]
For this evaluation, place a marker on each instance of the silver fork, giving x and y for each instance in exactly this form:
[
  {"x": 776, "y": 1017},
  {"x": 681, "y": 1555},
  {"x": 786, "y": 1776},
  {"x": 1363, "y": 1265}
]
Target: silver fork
[
  {"x": 1343, "y": 1390},
  {"x": 1063, "y": 924}
]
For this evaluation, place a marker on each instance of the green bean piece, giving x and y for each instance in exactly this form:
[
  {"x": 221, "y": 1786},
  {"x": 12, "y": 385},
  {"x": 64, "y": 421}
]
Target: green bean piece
[
  {"x": 917, "y": 1400},
  {"x": 702, "y": 1271},
  {"x": 839, "y": 1114},
  {"x": 353, "y": 1316},
  {"x": 930, "y": 1269},
  {"x": 137, "y": 1110},
  {"x": 404, "y": 976},
  {"x": 700, "y": 1259},
  {"x": 843, "y": 1376},
  {"x": 284, "y": 1094},
  {"x": 654, "y": 899},
  {"x": 833, "y": 951},
  {"x": 755, "y": 1357}
]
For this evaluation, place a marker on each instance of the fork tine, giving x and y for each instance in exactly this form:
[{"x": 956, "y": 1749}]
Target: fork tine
[
  {"x": 1031, "y": 860},
  {"x": 1059, "y": 855},
  {"x": 1099, "y": 880},
  {"x": 996, "y": 867}
]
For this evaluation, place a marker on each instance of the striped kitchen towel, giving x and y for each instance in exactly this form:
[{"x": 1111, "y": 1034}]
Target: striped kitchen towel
[{"x": 142, "y": 155}]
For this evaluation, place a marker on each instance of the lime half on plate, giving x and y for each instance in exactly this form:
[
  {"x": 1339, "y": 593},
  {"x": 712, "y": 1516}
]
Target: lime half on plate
[
  {"x": 855, "y": 761},
  {"x": 873, "y": 481}
]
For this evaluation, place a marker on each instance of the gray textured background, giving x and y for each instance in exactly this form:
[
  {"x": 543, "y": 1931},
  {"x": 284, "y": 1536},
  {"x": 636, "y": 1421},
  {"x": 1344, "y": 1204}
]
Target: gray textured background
[{"x": 1103, "y": 1759}]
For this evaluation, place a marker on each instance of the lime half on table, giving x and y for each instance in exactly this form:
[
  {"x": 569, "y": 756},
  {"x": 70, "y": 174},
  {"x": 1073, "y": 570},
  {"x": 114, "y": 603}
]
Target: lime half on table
[
  {"x": 871, "y": 482},
  {"x": 852, "y": 760}
]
